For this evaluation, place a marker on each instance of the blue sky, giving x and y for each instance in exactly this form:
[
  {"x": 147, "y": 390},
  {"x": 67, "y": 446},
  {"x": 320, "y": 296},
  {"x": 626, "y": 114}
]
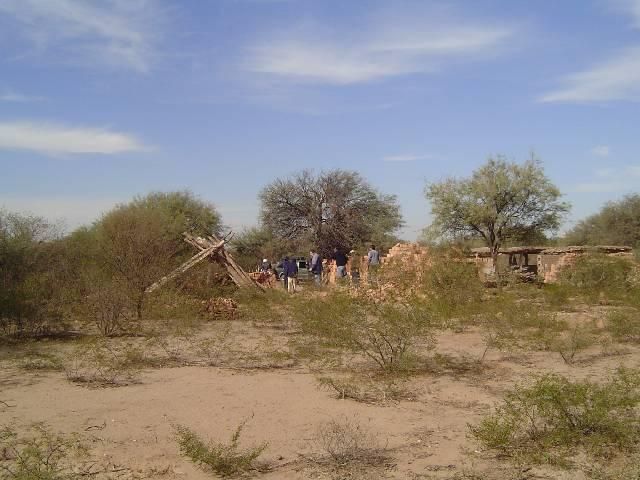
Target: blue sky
[{"x": 103, "y": 100}]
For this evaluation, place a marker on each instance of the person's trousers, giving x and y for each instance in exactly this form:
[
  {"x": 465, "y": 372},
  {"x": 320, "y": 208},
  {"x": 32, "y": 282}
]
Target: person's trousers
[
  {"x": 291, "y": 284},
  {"x": 341, "y": 271},
  {"x": 318, "y": 278}
]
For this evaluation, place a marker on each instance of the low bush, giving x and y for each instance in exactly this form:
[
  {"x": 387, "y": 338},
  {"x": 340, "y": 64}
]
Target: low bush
[
  {"x": 225, "y": 459},
  {"x": 601, "y": 278},
  {"x": 101, "y": 363},
  {"x": 383, "y": 333},
  {"x": 39, "y": 455},
  {"x": 572, "y": 343},
  {"x": 345, "y": 442},
  {"x": 555, "y": 418},
  {"x": 624, "y": 326},
  {"x": 365, "y": 390}
]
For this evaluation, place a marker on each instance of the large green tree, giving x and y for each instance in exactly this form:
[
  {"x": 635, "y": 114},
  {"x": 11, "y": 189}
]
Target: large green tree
[
  {"x": 501, "y": 200},
  {"x": 617, "y": 223},
  {"x": 337, "y": 208},
  {"x": 140, "y": 241}
]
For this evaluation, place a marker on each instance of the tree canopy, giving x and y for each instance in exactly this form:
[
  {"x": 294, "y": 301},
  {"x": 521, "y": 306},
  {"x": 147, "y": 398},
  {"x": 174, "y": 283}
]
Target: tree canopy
[
  {"x": 617, "y": 223},
  {"x": 501, "y": 200},
  {"x": 337, "y": 208}
]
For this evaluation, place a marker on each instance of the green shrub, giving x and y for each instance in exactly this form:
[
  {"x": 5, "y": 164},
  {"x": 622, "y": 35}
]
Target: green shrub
[
  {"x": 601, "y": 278},
  {"x": 40, "y": 455},
  {"x": 221, "y": 458},
  {"x": 383, "y": 333},
  {"x": 624, "y": 326},
  {"x": 575, "y": 341},
  {"x": 100, "y": 363},
  {"x": 555, "y": 417}
]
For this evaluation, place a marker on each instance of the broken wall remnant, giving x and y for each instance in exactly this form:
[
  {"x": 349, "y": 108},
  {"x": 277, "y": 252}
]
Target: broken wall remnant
[{"x": 544, "y": 262}]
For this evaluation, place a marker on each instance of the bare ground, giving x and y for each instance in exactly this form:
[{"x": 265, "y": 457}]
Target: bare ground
[{"x": 130, "y": 428}]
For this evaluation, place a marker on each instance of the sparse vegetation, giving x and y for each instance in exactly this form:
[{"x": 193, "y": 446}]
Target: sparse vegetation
[
  {"x": 38, "y": 455},
  {"x": 225, "y": 459},
  {"x": 552, "y": 419},
  {"x": 345, "y": 441}
]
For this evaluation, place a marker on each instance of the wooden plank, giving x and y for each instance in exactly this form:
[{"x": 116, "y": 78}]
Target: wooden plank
[{"x": 186, "y": 266}]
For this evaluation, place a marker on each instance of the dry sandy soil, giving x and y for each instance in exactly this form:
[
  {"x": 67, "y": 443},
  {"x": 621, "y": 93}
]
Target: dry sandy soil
[{"x": 130, "y": 431}]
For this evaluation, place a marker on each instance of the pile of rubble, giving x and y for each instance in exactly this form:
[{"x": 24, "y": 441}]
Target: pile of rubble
[{"x": 220, "y": 307}]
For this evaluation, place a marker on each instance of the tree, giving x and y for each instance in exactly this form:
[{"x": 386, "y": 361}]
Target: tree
[
  {"x": 139, "y": 242},
  {"x": 337, "y": 208},
  {"x": 617, "y": 223},
  {"x": 29, "y": 292},
  {"x": 501, "y": 200}
]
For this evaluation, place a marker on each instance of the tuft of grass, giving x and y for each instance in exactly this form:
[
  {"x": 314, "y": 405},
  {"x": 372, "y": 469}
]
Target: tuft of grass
[
  {"x": 365, "y": 390},
  {"x": 346, "y": 442},
  {"x": 225, "y": 459},
  {"x": 555, "y": 418}
]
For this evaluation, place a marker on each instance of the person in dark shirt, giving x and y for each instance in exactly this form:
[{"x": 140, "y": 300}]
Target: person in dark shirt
[
  {"x": 291, "y": 273},
  {"x": 341, "y": 260}
]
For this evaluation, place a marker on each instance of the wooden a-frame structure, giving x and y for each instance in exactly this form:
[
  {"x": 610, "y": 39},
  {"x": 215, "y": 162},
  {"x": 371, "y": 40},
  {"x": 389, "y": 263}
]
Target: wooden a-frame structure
[{"x": 213, "y": 248}]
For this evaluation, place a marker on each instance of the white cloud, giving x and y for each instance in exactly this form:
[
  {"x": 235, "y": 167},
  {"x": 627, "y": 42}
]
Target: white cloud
[
  {"x": 113, "y": 32},
  {"x": 611, "y": 180},
  {"x": 628, "y": 7},
  {"x": 601, "y": 151},
  {"x": 57, "y": 139},
  {"x": 385, "y": 48},
  {"x": 407, "y": 158},
  {"x": 13, "y": 97},
  {"x": 616, "y": 79}
]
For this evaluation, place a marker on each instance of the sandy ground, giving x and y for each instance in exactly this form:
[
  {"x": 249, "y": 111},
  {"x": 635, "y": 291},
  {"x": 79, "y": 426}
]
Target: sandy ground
[{"x": 130, "y": 427}]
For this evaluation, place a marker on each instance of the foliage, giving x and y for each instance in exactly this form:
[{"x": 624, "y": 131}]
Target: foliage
[
  {"x": 101, "y": 363},
  {"x": 384, "y": 333},
  {"x": 41, "y": 455},
  {"x": 223, "y": 459},
  {"x": 508, "y": 325},
  {"x": 254, "y": 244},
  {"x": 569, "y": 345},
  {"x": 337, "y": 208},
  {"x": 30, "y": 302},
  {"x": 617, "y": 223},
  {"x": 500, "y": 201},
  {"x": 556, "y": 417},
  {"x": 624, "y": 325},
  {"x": 345, "y": 441},
  {"x": 603, "y": 278}
]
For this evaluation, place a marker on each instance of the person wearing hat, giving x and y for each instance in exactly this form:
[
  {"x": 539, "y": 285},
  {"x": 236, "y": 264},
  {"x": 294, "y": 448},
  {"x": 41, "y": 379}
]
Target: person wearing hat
[{"x": 265, "y": 266}]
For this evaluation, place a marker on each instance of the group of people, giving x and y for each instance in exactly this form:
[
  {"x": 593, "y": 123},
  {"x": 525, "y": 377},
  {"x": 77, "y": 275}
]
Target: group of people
[{"x": 290, "y": 269}]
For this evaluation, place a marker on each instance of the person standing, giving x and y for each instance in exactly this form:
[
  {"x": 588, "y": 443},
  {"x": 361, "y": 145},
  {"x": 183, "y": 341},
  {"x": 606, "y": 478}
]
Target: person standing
[
  {"x": 291, "y": 272},
  {"x": 341, "y": 262},
  {"x": 316, "y": 267},
  {"x": 373, "y": 264},
  {"x": 283, "y": 264}
]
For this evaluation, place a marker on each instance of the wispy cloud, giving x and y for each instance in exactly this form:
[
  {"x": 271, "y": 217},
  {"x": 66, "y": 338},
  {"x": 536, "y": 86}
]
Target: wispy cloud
[
  {"x": 58, "y": 139},
  {"x": 616, "y": 79},
  {"x": 9, "y": 96},
  {"x": 611, "y": 180},
  {"x": 379, "y": 49},
  {"x": 116, "y": 33},
  {"x": 601, "y": 151},
  {"x": 407, "y": 158}
]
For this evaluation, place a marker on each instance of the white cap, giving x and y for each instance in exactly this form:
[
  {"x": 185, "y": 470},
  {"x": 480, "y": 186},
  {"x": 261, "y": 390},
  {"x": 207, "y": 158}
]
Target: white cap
[{"x": 264, "y": 259}]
